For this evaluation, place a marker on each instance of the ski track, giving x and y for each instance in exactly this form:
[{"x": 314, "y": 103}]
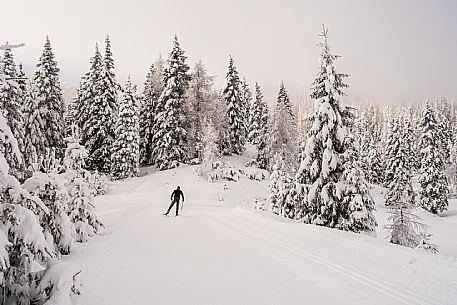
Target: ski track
[
  {"x": 382, "y": 287},
  {"x": 145, "y": 257}
]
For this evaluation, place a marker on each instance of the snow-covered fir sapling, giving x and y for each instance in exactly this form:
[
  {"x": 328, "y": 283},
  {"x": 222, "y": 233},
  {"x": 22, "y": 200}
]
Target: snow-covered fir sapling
[
  {"x": 125, "y": 155},
  {"x": 404, "y": 227},
  {"x": 433, "y": 181},
  {"x": 170, "y": 139},
  {"x": 49, "y": 186},
  {"x": 81, "y": 208},
  {"x": 279, "y": 186}
]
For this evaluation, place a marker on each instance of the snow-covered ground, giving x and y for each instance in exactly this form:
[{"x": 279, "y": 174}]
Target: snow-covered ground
[{"x": 223, "y": 252}]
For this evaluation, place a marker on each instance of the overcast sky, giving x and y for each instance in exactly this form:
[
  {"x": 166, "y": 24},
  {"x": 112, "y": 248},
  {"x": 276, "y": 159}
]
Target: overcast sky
[{"x": 393, "y": 49}]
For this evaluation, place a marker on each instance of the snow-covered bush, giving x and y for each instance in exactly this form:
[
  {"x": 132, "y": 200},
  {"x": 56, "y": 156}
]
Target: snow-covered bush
[
  {"x": 254, "y": 173},
  {"x": 228, "y": 173},
  {"x": 60, "y": 283},
  {"x": 99, "y": 183},
  {"x": 404, "y": 227},
  {"x": 58, "y": 228}
]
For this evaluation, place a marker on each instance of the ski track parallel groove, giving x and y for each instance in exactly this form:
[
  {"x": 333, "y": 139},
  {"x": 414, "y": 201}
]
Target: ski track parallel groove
[{"x": 374, "y": 284}]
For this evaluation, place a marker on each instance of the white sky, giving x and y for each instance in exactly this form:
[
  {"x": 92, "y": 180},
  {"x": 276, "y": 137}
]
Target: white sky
[{"x": 393, "y": 49}]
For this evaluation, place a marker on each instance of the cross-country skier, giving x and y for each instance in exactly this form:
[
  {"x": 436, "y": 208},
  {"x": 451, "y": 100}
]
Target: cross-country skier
[{"x": 175, "y": 197}]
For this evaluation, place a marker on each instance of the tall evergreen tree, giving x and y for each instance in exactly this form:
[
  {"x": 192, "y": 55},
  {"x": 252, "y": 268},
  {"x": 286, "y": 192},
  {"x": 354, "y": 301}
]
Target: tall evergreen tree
[
  {"x": 97, "y": 112},
  {"x": 321, "y": 168},
  {"x": 234, "y": 100},
  {"x": 152, "y": 90},
  {"x": 49, "y": 95},
  {"x": 356, "y": 197},
  {"x": 400, "y": 190},
  {"x": 246, "y": 95},
  {"x": 72, "y": 111},
  {"x": 390, "y": 152},
  {"x": 283, "y": 99},
  {"x": 171, "y": 137},
  {"x": 12, "y": 96},
  {"x": 282, "y": 138},
  {"x": 263, "y": 129},
  {"x": 433, "y": 181},
  {"x": 125, "y": 157}
]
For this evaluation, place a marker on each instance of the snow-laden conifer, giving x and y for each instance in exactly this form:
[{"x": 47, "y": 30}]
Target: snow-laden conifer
[
  {"x": 125, "y": 154},
  {"x": 80, "y": 202},
  {"x": 171, "y": 137},
  {"x": 153, "y": 87},
  {"x": 97, "y": 111},
  {"x": 356, "y": 197},
  {"x": 321, "y": 168},
  {"x": 433, "y": 181},
  {"x": 236, "y": 132},
  {"x": 47, "y": 91},
  {"x": 282, "y": 137},
  {"x": 11, "y": 105}
]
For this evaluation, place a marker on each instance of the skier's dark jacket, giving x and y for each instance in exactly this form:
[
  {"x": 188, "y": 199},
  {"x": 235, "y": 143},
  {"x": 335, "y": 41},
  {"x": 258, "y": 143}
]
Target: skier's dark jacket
[{"x": 176, "y": 195}]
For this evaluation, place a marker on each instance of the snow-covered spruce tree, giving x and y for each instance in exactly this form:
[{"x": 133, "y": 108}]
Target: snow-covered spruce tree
[
  {"x": 246, "y": 95},
  {"x": 443, "y": 115},
  {"x": 97, "y": 115},
  {"x": 433, "y": 181},
  {"x": 171, "y": 138},
  {"x": 35, "y": 143},
  {"x": 280, "y": 183},
  {"x": 49, "y": 95},
  {"x": 234, "y": 100},
  {"x": 374, "y": 170},
  {"x": 254, "y": 123},
  {"x": 356, "y": 197},
  {"x": 81, "y": 207},
  {"x": 71, "y": 112},
  {"x": 400, "y": 190},
  {"x": 390, "y": 151},
  {"x": 153, "y": 87},
  {"x": 283, "y": 98},
  {"x": 199, "y": 99},
  {"x": 125, "y": 157},
  {"x": 407, "y": 136},
  {"x": 282, "y": 137},
  {"x": 11, "y": 104},
  {"x": 263, "y": 130},
  {"x": 321, "y": 168}
]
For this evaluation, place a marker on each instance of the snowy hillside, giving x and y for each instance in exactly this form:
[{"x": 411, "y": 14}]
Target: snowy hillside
[{"x": 223, "y": 252}]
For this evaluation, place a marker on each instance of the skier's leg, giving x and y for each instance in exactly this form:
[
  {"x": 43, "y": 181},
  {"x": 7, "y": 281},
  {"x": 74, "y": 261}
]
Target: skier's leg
[
  {"x": 169, "y": 208},
  {"x": 177, "y": 207}
]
